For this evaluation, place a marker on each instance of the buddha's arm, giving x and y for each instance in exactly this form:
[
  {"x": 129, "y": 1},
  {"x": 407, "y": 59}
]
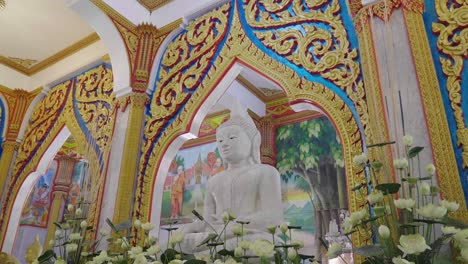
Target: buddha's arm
[
  {"x": 270, "y": 209},
  {"x": 209, "y": 205}
]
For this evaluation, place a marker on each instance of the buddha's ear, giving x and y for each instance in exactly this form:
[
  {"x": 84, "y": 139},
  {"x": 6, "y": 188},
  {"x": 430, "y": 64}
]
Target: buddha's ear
[{"x": 255, "y": 151}]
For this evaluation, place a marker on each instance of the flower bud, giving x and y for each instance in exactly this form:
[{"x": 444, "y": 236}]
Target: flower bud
[
  {"x": 104, "y": 232},
  {"x": 430, "y": 169},
  {"x": 51, "y": 243},
  {"x": 284, "y": 228},
  {"x": 238, "y": 252},
  {"x": 83, "y": 224},
  {"x": 70, "y": 207},
  {"x": 425, "y": 189},
  {"x": 384, "y": 232},
  {"x": 408, "y": 140},
  {"x": 292, "y": 254},
  {"x": 137, "y": 223},
  {"x": 78, "y": 212}
]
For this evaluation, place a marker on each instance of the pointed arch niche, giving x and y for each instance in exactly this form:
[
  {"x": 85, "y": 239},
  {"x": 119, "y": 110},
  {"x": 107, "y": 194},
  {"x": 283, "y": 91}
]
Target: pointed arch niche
[{"x": 204, "y": 59}]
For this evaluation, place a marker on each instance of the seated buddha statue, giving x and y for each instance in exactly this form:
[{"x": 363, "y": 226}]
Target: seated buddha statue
[{"x": 246, "y": 188}]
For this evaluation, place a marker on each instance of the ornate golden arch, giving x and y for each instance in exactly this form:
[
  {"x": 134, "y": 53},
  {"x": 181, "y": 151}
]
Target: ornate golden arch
[
  {"x": 182, "y": 81},
  {"x": 89, "y": 96}
]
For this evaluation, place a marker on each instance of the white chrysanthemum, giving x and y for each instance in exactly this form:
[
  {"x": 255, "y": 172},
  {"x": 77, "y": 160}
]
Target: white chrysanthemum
[
  {"x": 147, "y": 226},
  {"x": 134, "y": 251},
  {"x": 176, "y": 237},
  {"x": 140, "y": 259},
  {"x": 400, "y": 163},
  {"x": 284, "y": 228},
  {"x": 60, "y": 261},
  {"x": 461, "y": 237},
  {"x": 292, "y": 253},
  {"x": 153, "y": 250},
  {"x": 425, "y": 189},
  {"x": 137, "y": 223},
  {"x": 358, "y": 216},
  {"x": 244, "y": 244},
  {"x": 449, "y": 230},
  {"x": 297, "y": 244},
  {"x": 412, "y": 244},
  {"x": 83, "y": 224},
  {"x": 237, "y": 230},
  {"x": 375, "y": 197}
]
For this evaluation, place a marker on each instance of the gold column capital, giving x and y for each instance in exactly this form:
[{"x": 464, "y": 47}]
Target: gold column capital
[
  {"x": 139, "y": 99},
  {"x": 10, "y": 145}
]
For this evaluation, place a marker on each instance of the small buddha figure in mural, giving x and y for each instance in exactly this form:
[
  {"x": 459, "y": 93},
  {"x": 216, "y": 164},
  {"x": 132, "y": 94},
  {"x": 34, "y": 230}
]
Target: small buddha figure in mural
[
  {"x": 177, "y": 193},
  {"x": 248, "y": 189}
]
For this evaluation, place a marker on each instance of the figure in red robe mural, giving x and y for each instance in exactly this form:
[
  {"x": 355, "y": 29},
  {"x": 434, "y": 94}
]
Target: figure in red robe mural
[{"x": 177, "y": 193}]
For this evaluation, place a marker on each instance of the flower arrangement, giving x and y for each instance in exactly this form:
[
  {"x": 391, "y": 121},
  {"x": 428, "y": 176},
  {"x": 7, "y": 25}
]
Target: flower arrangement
[{"x": 403, "y": 216}]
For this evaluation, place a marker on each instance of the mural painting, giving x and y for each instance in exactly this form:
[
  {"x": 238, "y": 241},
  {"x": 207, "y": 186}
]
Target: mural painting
[
  {"x": 184, "y": 188},
  {"x": 79, "y": 185},
  {"x": 36, "y": 210},
  {"x": 310, "y": 159}
]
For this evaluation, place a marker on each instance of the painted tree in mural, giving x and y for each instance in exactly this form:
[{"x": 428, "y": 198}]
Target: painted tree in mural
[{"x": 312, "y": 150}]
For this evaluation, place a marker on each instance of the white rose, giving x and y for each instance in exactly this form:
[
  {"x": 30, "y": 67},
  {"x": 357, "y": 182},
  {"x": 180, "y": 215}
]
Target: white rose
[
  {"x": 430, "y": 169},
  {"x": 297, "y": 244},
  {"x": 284, "y": 228},
  {"x": 140, "y": 259},
  {"x": 70, "y": 207},
  {"x": 176, "y": 237},
  {"x": 147, "y": 226},
  {"x": 137, "y": 223},
  {"x": 408, "y": 140},
  {"x": 104, "y": 232},
  {"x": 262, "y": 248},
  {"x": 58, "y": 233},
  {"x": 400, "y": 163},
  {"x": 71, "y": 247},
  {"x": 384, "y": 231},
  {"x": 399, "y": 260},
  {"x": 334, "y": 250},
  {"x": 348, "y": 225},
  {"x": 461, "y": 237},
  {"x": 375, "y": 197},
  {"x": 432, "y": 211},
  {"x": 360, "y": 160},
  {"x": 134, "y": 251},
  {"x": 450, "y": 206},
  {"x": 292, "y": 254},
  {"x": 83, "y": 224},
  {"x": 405, "y": 204},
  {"x": 244, "y": 244},
  {"x": 358, "y": 216},
  {"x": 78, "y": 212},
  {"x": 449, "y": 230},
  {"x": 412, "y": 244},
  {"x": 425, "y": 189},
  {"x": 74, "y": 236},
  {"x": 153, "y": 250},
  {"x": 237, "y": 230}
]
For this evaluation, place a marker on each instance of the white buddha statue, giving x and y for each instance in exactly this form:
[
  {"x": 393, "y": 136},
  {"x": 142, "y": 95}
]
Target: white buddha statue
[{"x": 248, "y": 189}]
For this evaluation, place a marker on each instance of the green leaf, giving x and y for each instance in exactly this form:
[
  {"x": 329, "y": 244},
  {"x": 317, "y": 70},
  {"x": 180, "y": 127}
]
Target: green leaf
[
  {"x": 414, "y": 151},
  {"x": 387, "y": 188},
  {"x": 369, "y": 251},
  {"x": 168, "y": 255},
  {"x": 456, "y": 223},
  {"x": 112, "y": 226},
  {"x": 46, "y": 256},
  {"x": 429, "y": 221},
  {"x": 124, "y": 225},
  {"x": 195, "y": 261},
  {"x": 380, "y": 144},
  {"x": 207, "y": 239},
  {"x": 58, "y": 225},
  {"x": 376, "y": 165},
  {"x": 225, "y": 252},
  {"x": 358, "y": 187}
]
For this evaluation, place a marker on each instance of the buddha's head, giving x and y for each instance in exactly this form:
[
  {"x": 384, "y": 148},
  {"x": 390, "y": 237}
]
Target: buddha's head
[{"x": 238, "y": 140}]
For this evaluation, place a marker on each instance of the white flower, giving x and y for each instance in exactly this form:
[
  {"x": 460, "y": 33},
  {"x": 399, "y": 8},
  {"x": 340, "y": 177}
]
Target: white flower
[
  {"x": 384, "y": 232},
  {"x": 412, "y": 244},
  {"x": 153, "y": 250},
  {"x": 430, "y": 169},
  {"x": 405, "y": 204},
  {"x": 137, "y": 223},
  {"x": 78, "y": 212},
  {"x": 134, "y": 251},
  {"x": 334, "y": 250},
  {"x": 450, "y": 206},
  {"x": 104, "y": 232},
  {"x": 51, "y": 243},
  {"x": 58, "y": 233},
  {"x": 375, "y": 197},
  {"x": 284, "y": 228},
  {"x": 70, "y": 207},
  {"x": 230, "y": 261},
  {"x": 228, "y": 216},
  {"x": 399, "y": 260},
  {"x": 315, "y": 262},
  {"x": 147, "y": 226},
  {"x": 408, "y": 140},
  {"x": 244, "y": 244},
  {"x": 297, "y": 244},
  {"x": 262, "y": 248},
  {"x": 348, "y": 225},
  {"x": 60, "y": 261},
  {"x": 71, "y": 247},
  {"x": 84, "y": 254},
  {"x": 102, "y": 258},
  {"x": 272, "y": 229},
  {"x": 74, "y": 236},
  {"x": 238, "y": 252},
  {"x": 360, "y": 160},
  {"x": 203, "y": 257},
  {"x": 83, "y": 224},
  {"x": 425, "y": 189},
  {"x": 358, "y": 216},
  {"x": 176, "y": 261},
  {"x": 140, "y": 259},
  {"x": 237, "y": 230},
  {"x": 461, "y": 237},
  {"x": 464, "y": 254},
  {"x": 35, "y": 262},
  {"x": 218, "y": 261},
  {"x": 432, "y": 211},
  {"x": 292, "y": 253},
  {"x": 400, "y": 163},
  {"x": 176, "y": 237},
  {"x": 449, "y": 230}
]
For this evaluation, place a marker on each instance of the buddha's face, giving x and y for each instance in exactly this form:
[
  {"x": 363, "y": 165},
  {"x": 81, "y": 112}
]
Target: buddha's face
[{"x": 233, "y": 143}]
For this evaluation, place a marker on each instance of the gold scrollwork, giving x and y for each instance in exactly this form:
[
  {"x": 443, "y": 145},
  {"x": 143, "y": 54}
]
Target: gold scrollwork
[{"x": 452, "y": 28}]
